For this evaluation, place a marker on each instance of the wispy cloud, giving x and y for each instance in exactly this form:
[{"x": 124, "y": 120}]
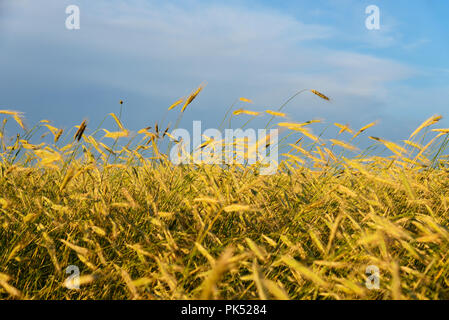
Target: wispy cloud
[{"x": 158, "y": 51}]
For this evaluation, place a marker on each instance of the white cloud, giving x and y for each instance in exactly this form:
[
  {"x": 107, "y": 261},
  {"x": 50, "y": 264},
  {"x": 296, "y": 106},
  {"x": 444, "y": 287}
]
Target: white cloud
[
  {"x": 223, "y": 44},
  {"x": 162, "y": 51}
]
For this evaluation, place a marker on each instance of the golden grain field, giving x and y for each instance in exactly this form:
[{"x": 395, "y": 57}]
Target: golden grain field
[{"x": 139, "y": 227}]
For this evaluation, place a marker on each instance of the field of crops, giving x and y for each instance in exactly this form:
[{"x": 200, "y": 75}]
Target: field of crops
[{"x": 138, "y": 227}]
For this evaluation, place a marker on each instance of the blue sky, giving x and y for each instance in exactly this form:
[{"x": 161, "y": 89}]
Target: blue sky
[{"x": 150, "y": 53}]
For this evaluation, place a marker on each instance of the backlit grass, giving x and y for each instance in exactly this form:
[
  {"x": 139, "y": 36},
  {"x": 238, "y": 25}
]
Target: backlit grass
[{"x": 139, "y": 227}]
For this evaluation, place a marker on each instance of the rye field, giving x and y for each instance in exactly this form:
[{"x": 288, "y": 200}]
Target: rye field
[{"x": 334, "y": 222}]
